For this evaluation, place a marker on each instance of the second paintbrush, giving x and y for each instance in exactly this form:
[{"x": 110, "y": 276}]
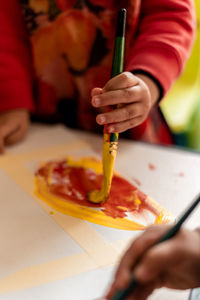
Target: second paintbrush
[{"x": 123, "y": 294}]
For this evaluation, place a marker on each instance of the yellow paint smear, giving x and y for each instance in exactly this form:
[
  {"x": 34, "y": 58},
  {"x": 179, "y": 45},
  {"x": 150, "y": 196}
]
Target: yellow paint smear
[
  {"x": 109, "y": 155},
  {"x": 91, "y": 214},
  {"x": 82, "y": 212},
  {"x": 47, "y": 272}
]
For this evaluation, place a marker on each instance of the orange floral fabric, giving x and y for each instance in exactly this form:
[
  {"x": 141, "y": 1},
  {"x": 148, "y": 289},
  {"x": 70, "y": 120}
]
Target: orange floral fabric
[{"x": 72, "y": 44}]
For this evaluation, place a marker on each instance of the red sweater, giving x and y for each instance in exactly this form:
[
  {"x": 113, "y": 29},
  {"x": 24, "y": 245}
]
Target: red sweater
[{"x": 67, "y": 50}]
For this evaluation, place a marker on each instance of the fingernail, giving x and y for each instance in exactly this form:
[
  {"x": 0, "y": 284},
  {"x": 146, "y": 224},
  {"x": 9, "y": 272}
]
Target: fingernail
[
  {"x": 111, "y": 129},
  {"x": 102, "y": 119},
  {"x": 97, "y": 101}
]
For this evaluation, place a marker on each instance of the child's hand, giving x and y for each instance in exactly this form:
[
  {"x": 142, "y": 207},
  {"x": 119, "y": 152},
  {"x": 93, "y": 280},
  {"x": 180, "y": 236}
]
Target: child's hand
[
  {"x": 13, "y": 127},
  {"x": 136, "y": 93},
  {"x": 174, "y": 264}
]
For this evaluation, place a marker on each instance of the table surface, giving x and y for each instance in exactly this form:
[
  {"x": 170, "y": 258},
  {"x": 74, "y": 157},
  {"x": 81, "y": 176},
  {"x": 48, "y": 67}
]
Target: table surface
[{"x": 32, "y": 237}]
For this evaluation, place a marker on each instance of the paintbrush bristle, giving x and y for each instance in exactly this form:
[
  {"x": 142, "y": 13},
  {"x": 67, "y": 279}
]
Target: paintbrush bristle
[{"x": 97, "y": 196}]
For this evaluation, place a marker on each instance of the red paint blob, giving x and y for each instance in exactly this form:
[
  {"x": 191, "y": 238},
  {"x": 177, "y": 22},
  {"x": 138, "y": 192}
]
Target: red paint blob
[
  {"x": 74, "y": 183},
  {"x": 151, "y": 167},
  {"x": 137, "y": 181},
  {"x": 181, "y": 174}
]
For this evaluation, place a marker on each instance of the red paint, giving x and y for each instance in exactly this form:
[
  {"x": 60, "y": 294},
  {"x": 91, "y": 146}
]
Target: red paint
[
  {"x": 137, "y": 181},
  {"x": 151, "y": 167},
  {"x": 181, "y": 174},
  {"x": 74, "y": 183}
]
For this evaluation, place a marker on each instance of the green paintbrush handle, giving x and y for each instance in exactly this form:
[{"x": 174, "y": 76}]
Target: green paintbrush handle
[{"x": 118, "y": 55}]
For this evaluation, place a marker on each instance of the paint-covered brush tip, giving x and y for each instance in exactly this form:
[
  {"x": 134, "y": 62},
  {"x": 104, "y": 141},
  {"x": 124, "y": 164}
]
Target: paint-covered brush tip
[{"x": 97, "y": 196}]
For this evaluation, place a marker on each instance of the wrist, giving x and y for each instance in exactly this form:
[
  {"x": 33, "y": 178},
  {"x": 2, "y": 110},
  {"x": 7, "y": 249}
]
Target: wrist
[
  {"x": 152, "y": 83},
  {"x": 152, "y": 86}
]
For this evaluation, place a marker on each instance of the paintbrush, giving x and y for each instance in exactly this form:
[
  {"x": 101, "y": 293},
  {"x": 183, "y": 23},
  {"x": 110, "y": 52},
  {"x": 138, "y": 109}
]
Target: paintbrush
[
  {"x": 123, "y": 294},
  {"x": 111, "y": 139}
]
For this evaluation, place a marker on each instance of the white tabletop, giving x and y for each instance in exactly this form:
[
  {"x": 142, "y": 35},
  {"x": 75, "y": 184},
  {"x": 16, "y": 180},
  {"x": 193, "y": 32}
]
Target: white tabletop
[{"x": 41, "y": 255}]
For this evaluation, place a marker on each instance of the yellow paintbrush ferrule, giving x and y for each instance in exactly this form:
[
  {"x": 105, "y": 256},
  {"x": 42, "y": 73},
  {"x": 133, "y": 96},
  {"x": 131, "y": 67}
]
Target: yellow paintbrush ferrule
[{"x": 109, "y": 155}]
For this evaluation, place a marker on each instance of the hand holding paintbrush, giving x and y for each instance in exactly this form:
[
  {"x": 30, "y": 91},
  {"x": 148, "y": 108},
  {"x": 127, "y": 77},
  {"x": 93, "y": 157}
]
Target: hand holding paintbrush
[
  {"x": 158, "y": 260},
  {"x": 129, "y": 99}
]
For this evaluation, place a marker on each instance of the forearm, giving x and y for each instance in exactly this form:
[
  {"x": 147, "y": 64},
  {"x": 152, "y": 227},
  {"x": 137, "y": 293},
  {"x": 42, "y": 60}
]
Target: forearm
[
  {"x": 15, "y": 60},
  {"x": 163, "y": 41}
]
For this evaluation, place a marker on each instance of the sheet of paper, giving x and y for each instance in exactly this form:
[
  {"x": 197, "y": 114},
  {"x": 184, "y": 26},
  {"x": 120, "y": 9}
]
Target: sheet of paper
[{"x": 47, "y": 256}]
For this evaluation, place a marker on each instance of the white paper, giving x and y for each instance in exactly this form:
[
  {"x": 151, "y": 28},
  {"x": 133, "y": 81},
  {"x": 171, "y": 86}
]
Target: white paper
[{"x": 31, "y": 237}]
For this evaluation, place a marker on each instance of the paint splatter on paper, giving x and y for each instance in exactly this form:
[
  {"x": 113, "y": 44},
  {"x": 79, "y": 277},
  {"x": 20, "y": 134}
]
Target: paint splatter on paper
[
  {"x": 65, "y": 184},
  {"x": 181, "y": 174},
  {"x": 151, "y": 166},
  {"x": 137, "y": 181}
]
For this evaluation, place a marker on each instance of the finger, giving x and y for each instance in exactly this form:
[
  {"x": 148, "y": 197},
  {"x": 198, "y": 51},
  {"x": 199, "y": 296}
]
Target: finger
[
  {"x": 143, "y": 291},
  {"x": 139, "y": 247},
  {"x": 121, "y": 81},
  {"x": 5, "y": 130},
  {"x": 132, "y": 255},
  {"x": 17, "y": 135},
  {"x": 125, "y": 113},
  {"x": 127, "y": 95},
  {"x": 123, "y": 126},
  {"x": 119, "y": 284},
  {"x": 2, "y": 150},
  {"x": 96, "y": 91}
]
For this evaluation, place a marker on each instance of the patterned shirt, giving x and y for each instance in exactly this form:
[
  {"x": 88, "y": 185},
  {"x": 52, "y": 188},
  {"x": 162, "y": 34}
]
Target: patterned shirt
[{"x": 71, "y": 47}]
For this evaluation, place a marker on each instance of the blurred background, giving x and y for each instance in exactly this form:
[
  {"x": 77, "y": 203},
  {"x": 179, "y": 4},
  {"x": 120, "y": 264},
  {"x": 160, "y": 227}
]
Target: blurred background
[{"x": 181, "y": 107}]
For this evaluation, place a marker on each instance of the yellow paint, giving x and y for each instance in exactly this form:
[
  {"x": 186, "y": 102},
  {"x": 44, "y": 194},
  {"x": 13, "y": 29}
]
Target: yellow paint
[
  {"x": 47, "y": 272},
  {"x": 163, "y": 218},
  {"x": 91, "y": 214},
  {"x": 109, "y": 154},
  {"x": 85, "y": 162},
  {"x": 137, "y": 201},
  {"x": 82, "y": 212},
  {"x": 84, "y": 235}
]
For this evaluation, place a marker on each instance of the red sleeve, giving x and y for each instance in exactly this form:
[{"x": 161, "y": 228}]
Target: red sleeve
[
  {"x": 164, "y": 39},
  {"x": 15, "y": 62}
]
